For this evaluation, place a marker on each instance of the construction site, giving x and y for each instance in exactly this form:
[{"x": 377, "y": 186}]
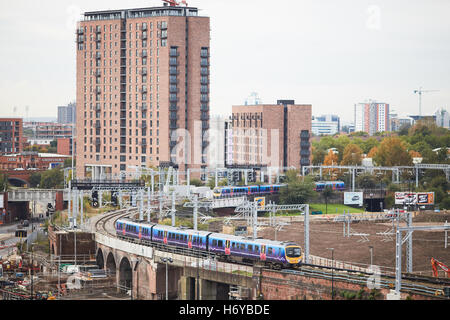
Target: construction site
[{"x": 363, "y": 241}]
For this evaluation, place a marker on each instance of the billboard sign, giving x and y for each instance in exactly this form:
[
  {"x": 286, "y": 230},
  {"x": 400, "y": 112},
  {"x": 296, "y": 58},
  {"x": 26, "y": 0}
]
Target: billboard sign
[
  {"x": 355, "y": 198},
  {"x": 405, "y": 198},
  {"x": 425, "y": 198},
  {"x": 260, "y": 203},
  {"x": 413, "y": 198}
]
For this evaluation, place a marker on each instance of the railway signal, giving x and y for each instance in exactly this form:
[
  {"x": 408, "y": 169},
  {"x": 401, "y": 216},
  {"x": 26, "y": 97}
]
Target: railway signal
[{"x": 94, "y": 197}]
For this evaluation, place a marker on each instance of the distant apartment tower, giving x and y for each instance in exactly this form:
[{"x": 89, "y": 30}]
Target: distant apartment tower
[
  {"x": 142, "y": 83},
  {"x": 272, "y": 135},
  {"x": 67, "y": 114},
  {"x": 372, "y": 117},
  {"x": 442, "y": 118},
  {"x": 11, "y": 135},
  {"x": 397, "y": 123},
  {"x": 325, "y": 125}
]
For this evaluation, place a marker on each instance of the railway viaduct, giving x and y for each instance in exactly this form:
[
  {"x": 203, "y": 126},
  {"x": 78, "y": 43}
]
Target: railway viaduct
[
  {"x": 192, "y": 276},
  {"x": 142, "y": 269}
]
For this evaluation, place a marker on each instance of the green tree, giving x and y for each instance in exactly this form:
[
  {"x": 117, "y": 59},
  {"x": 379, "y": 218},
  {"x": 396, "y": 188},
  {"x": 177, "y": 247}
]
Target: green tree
[
  {"x": 366, "y": 181},
  {"x": 68, "y": 163},
  {"x": 369, "y": 144},
  {"x": 340, "y": 144},
  {"x": 35, "y": 179},
  {"x": 318, "y": 156},
  {"x": 196, "y": 182},
  {"x": 3, "y": 182},
  {"x": 52, "y": 179},
  {"x": 327, "y": 192},
  {"x": 298, "y": 190}
]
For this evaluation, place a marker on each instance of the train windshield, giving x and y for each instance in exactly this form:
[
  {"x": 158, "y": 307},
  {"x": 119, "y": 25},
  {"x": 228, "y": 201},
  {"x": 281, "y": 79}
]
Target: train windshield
[{"x": 293, "y": 252}]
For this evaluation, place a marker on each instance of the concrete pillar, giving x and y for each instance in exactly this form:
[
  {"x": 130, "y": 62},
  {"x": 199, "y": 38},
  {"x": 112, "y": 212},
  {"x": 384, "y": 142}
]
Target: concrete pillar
[
  {"x": 186, "y": 288},
  {"x": 208, "y": 290}
]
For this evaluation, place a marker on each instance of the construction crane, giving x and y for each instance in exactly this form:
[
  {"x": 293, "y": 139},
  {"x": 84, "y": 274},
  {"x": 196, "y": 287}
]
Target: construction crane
[
  {"x": 173, "y": 3},
  {"x": 420, "y": 91},
  {"x": 435, "y": 263}
]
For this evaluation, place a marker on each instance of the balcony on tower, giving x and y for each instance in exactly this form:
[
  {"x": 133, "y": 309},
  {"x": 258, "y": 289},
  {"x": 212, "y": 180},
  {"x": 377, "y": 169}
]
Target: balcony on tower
[
  {"x": 173, "y": 61},
  {"x": 174, "y": 52}
]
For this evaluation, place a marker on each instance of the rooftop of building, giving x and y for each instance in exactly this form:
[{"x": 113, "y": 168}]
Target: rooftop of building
[
  {"x": 140, "y": 13},
  {"x": 41, "y": 155}
]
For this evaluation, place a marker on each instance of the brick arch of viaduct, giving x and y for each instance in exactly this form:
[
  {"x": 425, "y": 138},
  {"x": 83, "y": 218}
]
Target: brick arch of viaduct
[{"x": 148, "y": 278}]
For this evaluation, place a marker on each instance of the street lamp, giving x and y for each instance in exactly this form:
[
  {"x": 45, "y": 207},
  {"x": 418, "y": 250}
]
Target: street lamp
[
  {"x": 332, "y": 272},
  {"x": 167, "y": 261},
  {"x": 371, "y": 255}
]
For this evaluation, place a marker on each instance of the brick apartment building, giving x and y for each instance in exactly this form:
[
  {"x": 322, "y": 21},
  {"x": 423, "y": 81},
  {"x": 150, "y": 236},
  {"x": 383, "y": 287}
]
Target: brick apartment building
[
  {"x": 31, "y": 160},
  {"x": 142, "y": 80},
  {"x": 272, "y": 135},
  {"x": 11, "y": 135}
]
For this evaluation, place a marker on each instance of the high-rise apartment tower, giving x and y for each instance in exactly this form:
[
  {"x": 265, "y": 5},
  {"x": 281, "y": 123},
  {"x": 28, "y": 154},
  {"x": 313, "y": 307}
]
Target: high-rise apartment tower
[{"x": 142, "y": 90}]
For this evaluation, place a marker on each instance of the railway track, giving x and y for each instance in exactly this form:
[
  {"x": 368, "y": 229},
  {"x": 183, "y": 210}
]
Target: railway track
[
  {"x": 100, "y": 225},
  {"x": 410, "y": 282}
]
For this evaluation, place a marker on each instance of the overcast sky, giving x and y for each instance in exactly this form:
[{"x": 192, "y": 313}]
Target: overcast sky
[{"x": 329, "y": 53}]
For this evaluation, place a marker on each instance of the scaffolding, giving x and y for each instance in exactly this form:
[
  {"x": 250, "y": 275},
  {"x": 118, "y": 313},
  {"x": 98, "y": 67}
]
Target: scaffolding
[
  {"x": 394, "y": 169},
  {"x": 398, "y": 249}
]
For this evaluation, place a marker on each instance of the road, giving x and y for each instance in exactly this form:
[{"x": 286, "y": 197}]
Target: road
[{"x": 7, "y": 237}]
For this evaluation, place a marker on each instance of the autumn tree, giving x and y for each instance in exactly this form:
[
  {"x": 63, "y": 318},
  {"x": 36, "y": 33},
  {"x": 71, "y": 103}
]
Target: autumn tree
[
  {"x": 392, "y": 152},
  {"x": 352, "y": 155},
  {"x": 414, "y": 154},
  {"x": 372, "y": 153},
  {"x": 331, "y": 159}
]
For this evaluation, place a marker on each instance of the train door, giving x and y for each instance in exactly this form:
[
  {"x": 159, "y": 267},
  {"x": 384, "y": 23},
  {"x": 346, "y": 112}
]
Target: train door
[
  {"x": 165, "y": 237},
  {"x": 140, "y": 232},
  {"x": 190, "y": 241},
  {"x": 123, "y": 228},
  {"x": 227, "y": 247},
  {"x": 262, "y": 253}
]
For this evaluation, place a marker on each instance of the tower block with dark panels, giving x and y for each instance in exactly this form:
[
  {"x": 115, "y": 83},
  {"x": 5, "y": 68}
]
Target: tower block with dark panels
[
  {"x": 274, "y": 135},
  {"x": 142, "y": 80}
]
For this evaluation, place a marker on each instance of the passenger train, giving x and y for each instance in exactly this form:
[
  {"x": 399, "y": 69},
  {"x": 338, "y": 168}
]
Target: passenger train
[
  {"x": 336, "y": 185},
  {"x": 228, "y": 247},
  {"x": 235, "y": 191}
]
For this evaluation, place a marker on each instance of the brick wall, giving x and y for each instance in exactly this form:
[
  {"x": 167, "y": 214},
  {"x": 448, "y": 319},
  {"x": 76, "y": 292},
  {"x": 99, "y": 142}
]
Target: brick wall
[{"x": 279, "y": 286}]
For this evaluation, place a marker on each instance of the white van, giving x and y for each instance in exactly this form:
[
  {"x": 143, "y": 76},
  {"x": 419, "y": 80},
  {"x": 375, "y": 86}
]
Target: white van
[{"x": 71, "y": 269}]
